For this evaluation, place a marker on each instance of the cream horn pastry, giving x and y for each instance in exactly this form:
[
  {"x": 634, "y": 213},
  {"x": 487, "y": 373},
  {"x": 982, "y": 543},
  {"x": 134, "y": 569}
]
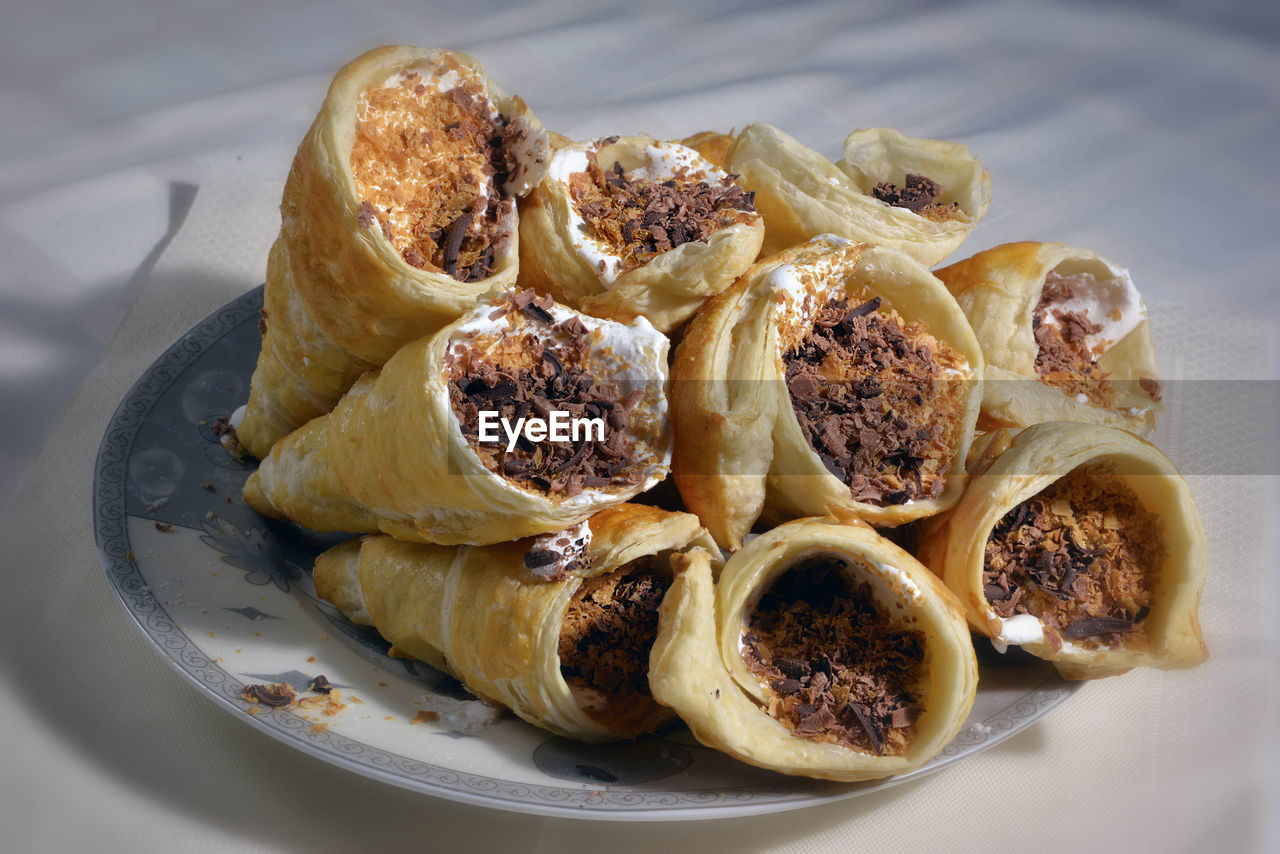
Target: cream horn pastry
[
  {"x": 824, "y": 650},
  {"x": 521, "y": 418},
  {"x": 398, "y": 213},
  {"x": 1065, "y": 336},
  {"x": 557, "y": 628},
  {"x": 922, "y": 196},
  {"x": 1081, "y": 544},
  {"x": 835, "y": 374},
  {"x": 629, "y": 226}
]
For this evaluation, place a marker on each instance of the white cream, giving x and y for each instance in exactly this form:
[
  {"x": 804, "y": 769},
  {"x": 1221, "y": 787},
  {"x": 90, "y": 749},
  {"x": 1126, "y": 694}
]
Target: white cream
[
  {"x": 905, "y": 587},
  {"x": 802, "y": 291},
  {"x": 1023, "y": 629},
  {"x": 632, "y": 351},
  {"x": 1113, "y": 303},
  {"x": 229, "y": 440},
  {"x": 664, "y": 161}
]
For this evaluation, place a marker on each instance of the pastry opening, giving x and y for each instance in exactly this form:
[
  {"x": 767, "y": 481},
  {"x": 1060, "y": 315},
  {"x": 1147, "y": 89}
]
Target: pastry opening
[
  {"x": 1082, "y": 556},
  {"x": 641, "y": 213},
  {"x": 430, "y": 161},
  {"x": 879, "y": 400},
  {"x": 1083, "y": 310},
  {"x": 920, "y": 195},
  {"x": 835, "y": 665},
  {"x": 605, "y": 641},
  {"x": 535, "y": 363}
]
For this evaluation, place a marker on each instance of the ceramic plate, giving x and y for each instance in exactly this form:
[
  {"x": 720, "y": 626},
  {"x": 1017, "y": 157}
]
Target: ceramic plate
[{"x": 227, "y": 596}]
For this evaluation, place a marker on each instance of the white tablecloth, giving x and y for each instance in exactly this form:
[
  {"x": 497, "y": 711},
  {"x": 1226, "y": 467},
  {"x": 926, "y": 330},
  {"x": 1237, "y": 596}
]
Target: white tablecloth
[{"x": 141, "y": 160}]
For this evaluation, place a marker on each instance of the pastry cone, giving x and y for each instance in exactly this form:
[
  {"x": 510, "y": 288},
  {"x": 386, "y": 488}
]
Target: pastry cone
[
  {"x": 387, "y": 234},
  {"x": 424, "y": 448},
  {"x": 788, "y": 398},
  {"x": 1082, "y": 545},
  {"x": 556, "y": 628},
  {"x": 1064, "y": 333},
  {"x": 922, "y": 196},
  {"x": 876, "y": 678},
  {"x": 712, "y": 145},
  {"x": 629, "y": 226}
]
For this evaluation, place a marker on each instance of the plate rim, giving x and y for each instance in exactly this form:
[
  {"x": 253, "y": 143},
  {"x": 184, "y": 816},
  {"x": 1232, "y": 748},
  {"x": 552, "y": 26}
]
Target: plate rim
[{"x": 110, "y": 520}]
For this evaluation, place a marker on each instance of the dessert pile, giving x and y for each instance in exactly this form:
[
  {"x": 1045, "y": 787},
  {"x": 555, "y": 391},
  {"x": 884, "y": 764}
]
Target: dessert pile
[{"x": 635, "y": 431}]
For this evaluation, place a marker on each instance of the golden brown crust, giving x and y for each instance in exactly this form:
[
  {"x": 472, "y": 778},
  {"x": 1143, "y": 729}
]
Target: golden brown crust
[
  {"x": 802, "y": 194},
  {"x": 391, "y": 456},
  {"x": 711, "y": 144},
  {"x": 1040, "y": 456},
  {"x": 354, "y": 299},
  {"x": 480, "y": 614},
  {"x": 697, "y": 668},
  {"x": 666, "y": 289},
  {"x": 999, "y": 289}
]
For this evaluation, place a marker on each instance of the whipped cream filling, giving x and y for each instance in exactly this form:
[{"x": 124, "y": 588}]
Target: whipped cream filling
[
  {"x": 229, "y": 440},
  {"x": 801, "y": 291},
  {"x": 665, "y": 160},
  {"x": 1022, "y": 629},
  {"x": 1113, "y": 303}
]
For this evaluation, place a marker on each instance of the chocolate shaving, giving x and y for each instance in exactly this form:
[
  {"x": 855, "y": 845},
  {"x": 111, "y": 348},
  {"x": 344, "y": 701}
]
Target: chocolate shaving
[
  {"x": 457, "y": 231},
  {"x": 863, "y": 714},
  {"x": 1080, "y": 556},
  {"x": 540, "y": 557},
  {"x": 639, "y": 219},
  {"x": 607, "y": 633},
  {"x": 1063, "y": 356},
  {"x": 917, "y": 195},
  {"x": 552, "y": 380},
  {"x": 321, "y": 684},
  {"x": 885, "y": 428},
  {"x": 1090, "y": 626},
  {"x": 418, "y": 159},
  {"x": 837, "y": 668}
]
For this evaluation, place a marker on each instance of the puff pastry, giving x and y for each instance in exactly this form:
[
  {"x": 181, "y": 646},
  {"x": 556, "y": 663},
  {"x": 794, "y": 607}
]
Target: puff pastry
[
  {"x": 835, "y": 374},
  {"x": 922, "y": 196},
  {"x": 1081, "y": 544},
  {"x": 382, "y": 239},
  {"x": 629, "y": 226},
  {"x": 431, "y": 448},
  {"x": 824, "y": 651},
  {"x": 1064, "y": 333},
  {"x": 556, "y": 628}
]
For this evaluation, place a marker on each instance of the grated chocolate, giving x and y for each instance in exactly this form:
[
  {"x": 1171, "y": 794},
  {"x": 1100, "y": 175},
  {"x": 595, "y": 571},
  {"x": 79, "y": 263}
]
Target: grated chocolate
[
  {"x": 1082, "y": 556},
  {"x": 834, "y": 667},
  {"x": 548, "y": 375},
  {"x": 639, "y": 219},
  {"x": 868, "y": 394},
  {"x": 430, "y": 168},
  {"x": 1063, "y": 358},
  {"x": 606, "y": 636}
]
